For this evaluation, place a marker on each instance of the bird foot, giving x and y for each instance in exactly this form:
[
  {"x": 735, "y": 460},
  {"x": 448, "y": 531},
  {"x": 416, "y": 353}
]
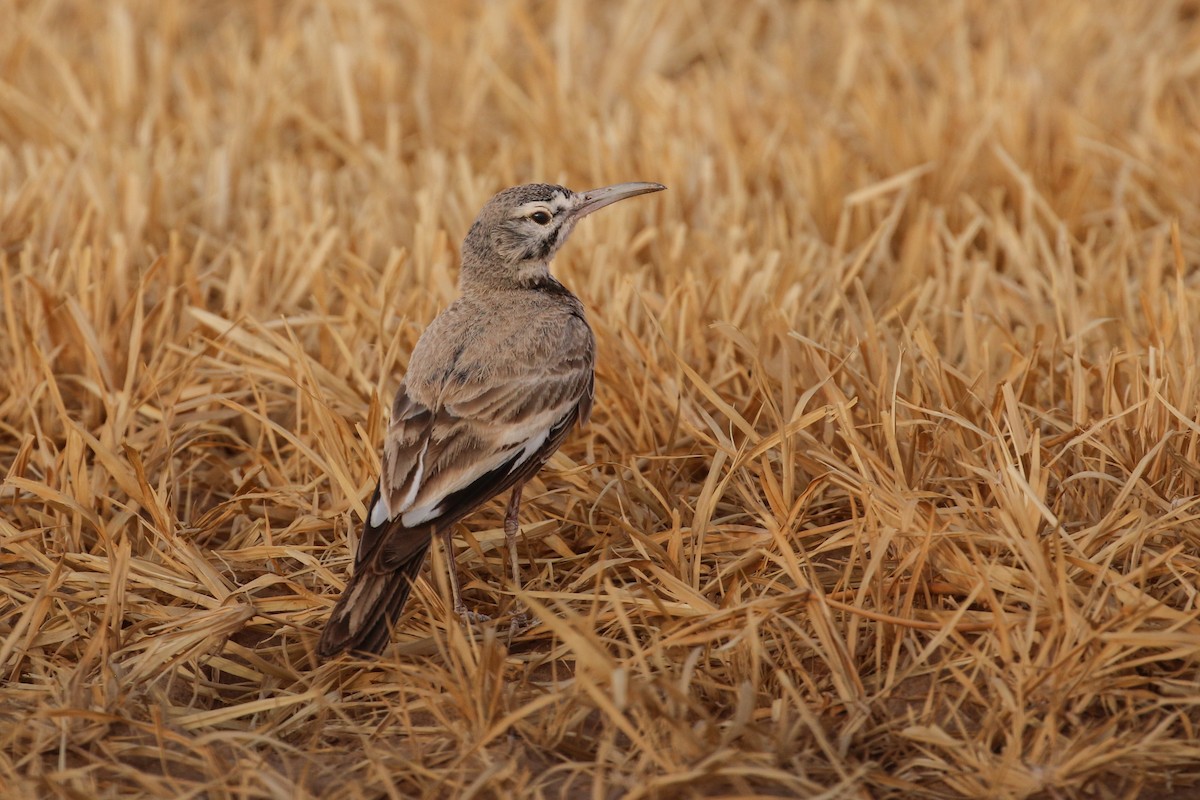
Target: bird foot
[
  {"x": 470, "y": 617},
  {"x": 520, "y": 623}
]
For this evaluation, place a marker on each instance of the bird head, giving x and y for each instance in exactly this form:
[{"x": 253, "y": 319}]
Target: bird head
[{"x": 520, "y": 229}]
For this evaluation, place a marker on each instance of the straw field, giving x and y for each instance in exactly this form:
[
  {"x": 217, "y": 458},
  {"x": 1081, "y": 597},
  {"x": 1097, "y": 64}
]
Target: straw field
[{"x": 892, "y": 487}]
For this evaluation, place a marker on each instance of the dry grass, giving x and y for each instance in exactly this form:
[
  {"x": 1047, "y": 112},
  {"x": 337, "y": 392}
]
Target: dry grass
[{"x": 892, "y": 488}]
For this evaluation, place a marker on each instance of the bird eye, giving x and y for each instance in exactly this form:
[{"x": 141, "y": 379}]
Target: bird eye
[{"x": 541, "y": 217}]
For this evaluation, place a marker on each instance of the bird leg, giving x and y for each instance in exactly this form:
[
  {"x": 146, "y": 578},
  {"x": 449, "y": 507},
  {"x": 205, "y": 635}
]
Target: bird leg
[
  {"x": 460, "y": 608},
  {"x": 512, "y": 527}
]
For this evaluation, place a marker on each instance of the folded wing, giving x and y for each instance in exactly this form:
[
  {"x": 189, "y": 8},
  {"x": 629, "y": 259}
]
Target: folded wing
[{"x": 439, "y": 464}]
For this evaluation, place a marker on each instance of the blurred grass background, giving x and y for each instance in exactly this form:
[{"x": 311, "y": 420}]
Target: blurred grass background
[{"x": 891, "y": 486}]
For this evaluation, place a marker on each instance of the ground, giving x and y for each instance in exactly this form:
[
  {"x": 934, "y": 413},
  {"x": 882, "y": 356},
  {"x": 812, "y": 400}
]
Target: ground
[{"x": 891, "y": 486}]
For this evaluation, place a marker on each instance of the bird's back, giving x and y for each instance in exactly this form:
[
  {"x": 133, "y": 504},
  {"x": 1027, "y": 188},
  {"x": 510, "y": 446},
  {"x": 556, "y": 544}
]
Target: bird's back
[{"x": 482, "y": 340}]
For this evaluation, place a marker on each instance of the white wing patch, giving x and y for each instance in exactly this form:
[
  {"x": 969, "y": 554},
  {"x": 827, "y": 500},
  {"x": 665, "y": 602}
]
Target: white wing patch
[
  {"x": 532, "y": 446},
  {"x": 415, "y": 486},
  {"x": 411, "y": 519},
  {"x": 379, "y": 512}
]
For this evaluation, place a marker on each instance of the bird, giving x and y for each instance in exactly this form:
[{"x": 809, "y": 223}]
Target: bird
[{"x": 493, "y": 387}]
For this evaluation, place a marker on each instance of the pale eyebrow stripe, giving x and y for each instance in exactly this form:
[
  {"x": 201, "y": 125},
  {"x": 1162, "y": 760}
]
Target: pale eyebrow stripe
[{"x": 559, "y": 203}]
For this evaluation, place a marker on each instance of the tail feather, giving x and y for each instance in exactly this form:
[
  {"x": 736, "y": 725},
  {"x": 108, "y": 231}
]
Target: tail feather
[{"x": 363, "y": 618}]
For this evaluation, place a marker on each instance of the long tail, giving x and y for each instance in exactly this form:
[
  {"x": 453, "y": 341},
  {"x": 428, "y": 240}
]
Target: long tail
[{"x": 364, "y": 616}]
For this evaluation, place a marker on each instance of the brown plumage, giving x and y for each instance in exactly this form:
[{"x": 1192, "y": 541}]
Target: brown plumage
[{"x": 494, "y": 385}]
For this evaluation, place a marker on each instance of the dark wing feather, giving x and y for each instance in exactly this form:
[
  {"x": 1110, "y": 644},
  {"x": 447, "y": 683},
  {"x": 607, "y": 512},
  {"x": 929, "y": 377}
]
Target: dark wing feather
[{"x": 371, "y": 603}]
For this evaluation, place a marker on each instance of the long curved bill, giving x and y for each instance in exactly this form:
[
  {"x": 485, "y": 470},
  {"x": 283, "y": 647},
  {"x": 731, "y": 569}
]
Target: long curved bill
[{"x": 599, "y": 198}]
